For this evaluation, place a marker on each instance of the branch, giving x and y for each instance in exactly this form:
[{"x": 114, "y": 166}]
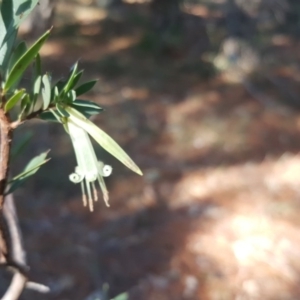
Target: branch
[
  {"x": 16, "y": 254},
  {"x": 16, "y": 287},
  {"x": 10, "y": 237},
  {"x": 32, "y": 115},
  {"x": 16, "y": 258},
  {"x": 5, "y": 144}
]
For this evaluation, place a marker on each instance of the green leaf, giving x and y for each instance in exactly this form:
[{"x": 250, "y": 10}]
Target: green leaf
[
  {"x": 25, "y": 105},
  {"x": 87, "y": 112},
  {"x": 54, "y": 94},
  {"x": 7, "y": 10},
  {"x": 14, "y": 100},
  {"x": 103, "y": 139},
  {"x": 62, "y": 111},
  {"x": 123, "y": 296},
  {"x": 87, "y": 108},
  {"x": 48, "y": 116},
  {"x": 17, "y": 53},
  {"x": 85, "y": 87},
  {"x": 6, "y": 44},
  {"x": 31, "y": 168},
  {"x": 37, "y": 85},
  {"x": 13, "y": 12},
  {"x": 36, "y": 90},
  {"x": 24, "y": 61},
  {"x": 6, "y": 50},
  {"x": 37, "y": 78},
  {"x": 46, "y": 91},
  {"x": 37, "y": 81},
  {"x": 70, "y": 83},
  {"x": 87, "y": 103},
  {"x": 77, "y": 78},
  {"x": 71, "y": 96}
]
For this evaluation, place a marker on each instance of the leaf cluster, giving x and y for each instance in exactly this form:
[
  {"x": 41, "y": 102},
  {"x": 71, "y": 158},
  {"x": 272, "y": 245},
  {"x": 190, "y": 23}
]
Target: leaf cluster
[{"x": 44, "y": 99}]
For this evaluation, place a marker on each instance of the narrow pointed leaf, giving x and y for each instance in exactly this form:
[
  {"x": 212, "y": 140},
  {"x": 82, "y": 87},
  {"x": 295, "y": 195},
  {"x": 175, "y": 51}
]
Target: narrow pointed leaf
[
  {"x": 87, "y": 108},
  {"x": 37, "y": 78},
  {"x": 77, "y": 78},
  {"x": 71, "y": 96},
  {"x": 33, "y": 165},
  {"x": 25, "y": 104},
  {"x": 3, "y": 46},
  {"x": 6, "y": 49},
  {"x": 7, "y": 37},
  {"x": 46, "y": 91},
  {"x": 15, "y": 56},
  {"x": 87, "y": 111},
  {"x": 14, "y": 100},
  {"x": 48, "y": 116},
  {"x": 103, "y": 139},
  {"x": 87, "y": 103},
  {"x": 85, "y": 87},
  {"x": 31, "y": 168},
  {"x": 62, "y": 111},
  {"x": 70, "y": 84},
  {"x": 37, "y": 86},
  {"x": 15, "y": 12},
  {"x": 123, "y": 296},
  {"x": 22, "y": 64},
  {"x": 17, "y": 53}
]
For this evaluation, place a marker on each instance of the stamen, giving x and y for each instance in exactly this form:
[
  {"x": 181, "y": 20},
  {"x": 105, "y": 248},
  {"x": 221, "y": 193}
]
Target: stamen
[
  {"x": 94, "y": 191},
  {"x": 91, "y": 204},
  {"x": 84, "y": 200},
  {"x": 106, "y": 198},
  {"x": 104, "y": 190}
]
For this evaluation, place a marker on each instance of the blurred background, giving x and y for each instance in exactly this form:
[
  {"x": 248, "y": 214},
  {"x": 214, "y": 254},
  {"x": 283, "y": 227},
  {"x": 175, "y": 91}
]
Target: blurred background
[{"x": 204, "y": 96}]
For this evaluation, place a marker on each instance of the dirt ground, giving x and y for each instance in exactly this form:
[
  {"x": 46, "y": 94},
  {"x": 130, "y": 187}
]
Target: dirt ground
[{"x": 216, "y": 214}]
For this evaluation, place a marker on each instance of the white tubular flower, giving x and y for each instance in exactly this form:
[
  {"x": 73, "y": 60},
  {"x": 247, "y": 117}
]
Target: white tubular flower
[
  {"x": 103, "y": 139},
  {"x": 89, "y": 169}
]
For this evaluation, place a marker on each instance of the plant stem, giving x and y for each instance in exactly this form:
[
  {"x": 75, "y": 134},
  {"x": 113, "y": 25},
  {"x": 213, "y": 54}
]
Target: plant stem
[
  {"x": 5, "y": 142},
  {"x": 5, "y": 145}
]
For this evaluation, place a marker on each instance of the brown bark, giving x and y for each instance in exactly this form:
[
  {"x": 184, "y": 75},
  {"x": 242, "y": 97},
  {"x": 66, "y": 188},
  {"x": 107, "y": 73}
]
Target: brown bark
[{"x": 5, "y": 144}]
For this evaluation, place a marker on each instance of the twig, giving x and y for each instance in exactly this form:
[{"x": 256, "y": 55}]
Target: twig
[
  {"x": 32, "y": 115},
  {"x": 16, "y": 258},
  {"x": 38, "y": 287},
  {"x": 16, "y": 248},
  {"x": 5, "y": 144},
  {"x": 16, "y": 287},
  {"x": 16, "y": 254}
]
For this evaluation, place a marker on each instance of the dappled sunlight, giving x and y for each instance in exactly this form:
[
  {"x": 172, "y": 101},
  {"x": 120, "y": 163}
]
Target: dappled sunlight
[
  {"x": 256, "y": 256},
  {"x": 258, "y": 183},
  {"x": 87, "y": 14},
  {"x": 216, "y": 214},
  {"x": 53, "y": 48},
  {"x": 114, "y": 45}
]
